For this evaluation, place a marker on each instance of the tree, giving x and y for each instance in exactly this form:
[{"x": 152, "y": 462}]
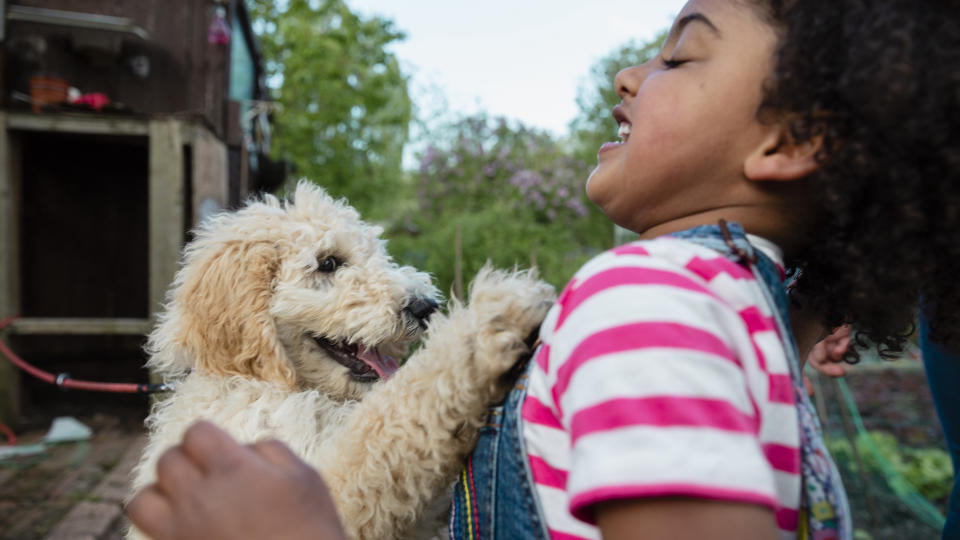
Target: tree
[
  {"x": 344, "y": 109},
  {"x": 501, "y": 192}
]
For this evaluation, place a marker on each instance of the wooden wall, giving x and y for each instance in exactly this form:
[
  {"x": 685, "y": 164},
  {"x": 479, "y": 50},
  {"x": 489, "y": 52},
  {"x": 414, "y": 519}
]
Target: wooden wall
[{"x": 188, "y": 75}]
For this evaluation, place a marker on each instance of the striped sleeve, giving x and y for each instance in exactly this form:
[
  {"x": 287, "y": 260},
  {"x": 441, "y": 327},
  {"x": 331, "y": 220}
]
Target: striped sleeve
[{"x": 651, "y": 385}]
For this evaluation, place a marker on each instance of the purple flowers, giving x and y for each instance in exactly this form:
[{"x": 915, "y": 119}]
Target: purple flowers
[
  {"x": 490, "y": 161},
  {"x": 526, "y": 180}
]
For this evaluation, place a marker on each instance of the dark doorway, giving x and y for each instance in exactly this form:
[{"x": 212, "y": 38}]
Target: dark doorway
[
  {"x": 84, "y": 226},
  {"x": 84, "y": 253}
]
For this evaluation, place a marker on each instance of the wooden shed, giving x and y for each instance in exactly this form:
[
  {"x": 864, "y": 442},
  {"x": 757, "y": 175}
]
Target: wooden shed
[{"x": 123, "y": 123}]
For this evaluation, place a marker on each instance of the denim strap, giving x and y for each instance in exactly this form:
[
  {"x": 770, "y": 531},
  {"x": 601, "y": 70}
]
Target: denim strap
[{"x": 824, "y": 509}]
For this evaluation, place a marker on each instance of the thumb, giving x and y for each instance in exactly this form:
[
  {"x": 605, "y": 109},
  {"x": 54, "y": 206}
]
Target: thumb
[
  {"x": 211, "y": 448},
  {"x": 276, "y": 452}
]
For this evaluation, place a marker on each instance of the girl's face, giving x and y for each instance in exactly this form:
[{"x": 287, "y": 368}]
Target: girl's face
[{"x": 688, "y": 120}]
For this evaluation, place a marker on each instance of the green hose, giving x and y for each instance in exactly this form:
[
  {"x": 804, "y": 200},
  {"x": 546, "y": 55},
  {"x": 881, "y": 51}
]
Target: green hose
[{"x": 912, "y": 499}]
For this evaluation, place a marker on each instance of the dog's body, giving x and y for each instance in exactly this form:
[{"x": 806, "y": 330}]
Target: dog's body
[{"x": 282, "y": 323}]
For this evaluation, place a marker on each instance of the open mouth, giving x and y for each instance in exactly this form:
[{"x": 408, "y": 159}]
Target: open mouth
[
  {"x": 365, "y": 364},
  {"x": 623, "y": 123}
]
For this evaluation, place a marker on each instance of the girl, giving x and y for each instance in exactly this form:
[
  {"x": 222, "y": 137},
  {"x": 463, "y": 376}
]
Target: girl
[{"x": 666, "y": 400}]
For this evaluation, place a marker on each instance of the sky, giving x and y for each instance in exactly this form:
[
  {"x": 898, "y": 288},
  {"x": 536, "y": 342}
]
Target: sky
[{"x": 523, "y": 59}]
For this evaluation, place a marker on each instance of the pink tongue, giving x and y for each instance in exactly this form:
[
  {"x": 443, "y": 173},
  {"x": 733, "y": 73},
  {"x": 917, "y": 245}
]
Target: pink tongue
[{"x": 383, "y": 365}]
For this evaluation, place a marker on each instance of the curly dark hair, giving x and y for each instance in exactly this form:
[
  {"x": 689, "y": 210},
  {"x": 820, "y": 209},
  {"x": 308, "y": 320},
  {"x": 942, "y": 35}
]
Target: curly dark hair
[{"x": 879, "y": 82}]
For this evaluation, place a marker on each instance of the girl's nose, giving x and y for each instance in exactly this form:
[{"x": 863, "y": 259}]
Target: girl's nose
[{"x": 628, "y": 80}]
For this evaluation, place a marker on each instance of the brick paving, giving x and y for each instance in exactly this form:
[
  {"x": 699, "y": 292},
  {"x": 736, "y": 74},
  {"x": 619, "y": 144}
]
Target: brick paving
[{"x": 74, "y": 491}]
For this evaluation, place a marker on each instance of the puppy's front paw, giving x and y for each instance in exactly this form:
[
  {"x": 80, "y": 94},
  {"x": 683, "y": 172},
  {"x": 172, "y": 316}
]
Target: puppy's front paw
[{"x": 507, "y": 308}]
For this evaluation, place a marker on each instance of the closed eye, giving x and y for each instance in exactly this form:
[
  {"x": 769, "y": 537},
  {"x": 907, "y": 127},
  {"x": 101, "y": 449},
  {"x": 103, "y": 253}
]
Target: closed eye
[{"x": 670, "y": 63}]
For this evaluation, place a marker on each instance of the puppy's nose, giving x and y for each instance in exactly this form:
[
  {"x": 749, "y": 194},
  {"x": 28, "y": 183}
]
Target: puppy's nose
[{"x": 421, "y": 308}]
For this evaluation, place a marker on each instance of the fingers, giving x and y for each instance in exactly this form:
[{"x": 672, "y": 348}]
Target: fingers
[
  {"x": 281, "y": 456},
  {"x": 275, "y": 452},
  {"x": 211, "y": 448},
  {"x": 817, "y": 355},
  {"x": 176, "y": 472},
  {"x": 827, "y": 355},
  {"x": 300, "y": 476},
  {"x": 842, "y": 332},
  {"x": 151, "y": 512},
  {"x": 837, "y": 348},
  {"x": 832, "y": 370},
  {"x": 819, "y": 359}
]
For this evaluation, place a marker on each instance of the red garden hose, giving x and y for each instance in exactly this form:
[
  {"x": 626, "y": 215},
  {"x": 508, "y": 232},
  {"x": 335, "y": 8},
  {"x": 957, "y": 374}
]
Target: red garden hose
[{"x": 63, "y": 380}]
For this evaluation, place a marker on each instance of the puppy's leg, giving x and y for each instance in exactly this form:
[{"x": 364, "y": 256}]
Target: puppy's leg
[
  {"x": 506, "y": 308},
  {"x": 406, "y": 440}
]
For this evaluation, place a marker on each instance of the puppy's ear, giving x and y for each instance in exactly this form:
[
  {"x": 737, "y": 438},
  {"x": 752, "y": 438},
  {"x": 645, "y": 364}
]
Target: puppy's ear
[{"x": 227, "y": 327}]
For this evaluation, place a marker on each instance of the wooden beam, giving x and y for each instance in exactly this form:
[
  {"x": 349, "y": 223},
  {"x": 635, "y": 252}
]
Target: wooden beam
[
  {"x": 166, "y": 206},
  {"x": 211, "y": 190},
  {"x": 9, "y": 376},
  {"x": 8, "y": 239},
  {"x": 84, "y": 326},
  {"x": 75, "y": 123}
]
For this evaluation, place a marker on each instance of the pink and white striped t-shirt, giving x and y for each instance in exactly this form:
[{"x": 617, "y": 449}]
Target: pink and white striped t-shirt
[{"x": 661, "y": 373}]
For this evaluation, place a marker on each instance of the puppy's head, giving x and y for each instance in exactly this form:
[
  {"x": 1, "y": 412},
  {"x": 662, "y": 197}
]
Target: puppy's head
[{"x": 299, "y": 292}]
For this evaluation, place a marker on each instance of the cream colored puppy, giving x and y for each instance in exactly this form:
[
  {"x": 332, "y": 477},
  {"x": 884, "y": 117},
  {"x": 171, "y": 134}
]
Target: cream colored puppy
[{"x": 285, "y": 321}]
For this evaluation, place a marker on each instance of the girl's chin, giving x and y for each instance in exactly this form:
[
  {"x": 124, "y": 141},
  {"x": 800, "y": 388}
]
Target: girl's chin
[
  {"x": 590, "y": 191},
  {"x": 603, "y": 202}
]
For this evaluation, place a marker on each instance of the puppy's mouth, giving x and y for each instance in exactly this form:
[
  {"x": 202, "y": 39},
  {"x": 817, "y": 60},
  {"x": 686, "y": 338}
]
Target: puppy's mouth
[{"x": 365, "y": 364}]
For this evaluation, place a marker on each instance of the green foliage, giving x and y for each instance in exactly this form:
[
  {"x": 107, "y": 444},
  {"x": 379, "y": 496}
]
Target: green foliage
[
  {"x": 594, "y": 124},
  {"x": 931, "y": 472},
  {"x": 343, "y": 109},
  {"x": 511, "y": 194},
  {"x": 926, "y": 470},
  {"x": 500, "y": 191}
]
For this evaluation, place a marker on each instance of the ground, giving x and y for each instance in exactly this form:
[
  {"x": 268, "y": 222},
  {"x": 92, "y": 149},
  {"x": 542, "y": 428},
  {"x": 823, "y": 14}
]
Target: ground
[{"x": 74, "y": 491}]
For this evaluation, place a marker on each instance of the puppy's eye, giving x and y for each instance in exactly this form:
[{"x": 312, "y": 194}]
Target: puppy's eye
[{"x": 328, "y": 264}]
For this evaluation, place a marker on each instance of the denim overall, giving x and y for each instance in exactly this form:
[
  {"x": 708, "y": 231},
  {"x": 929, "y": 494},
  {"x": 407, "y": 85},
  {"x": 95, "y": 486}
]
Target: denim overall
[{"x": 495, "y": 495}]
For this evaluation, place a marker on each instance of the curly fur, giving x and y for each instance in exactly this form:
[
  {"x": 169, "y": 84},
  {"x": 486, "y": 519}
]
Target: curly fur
[
  {"x": 877, "y": 82},
  {"x": 237, "y": 340}
]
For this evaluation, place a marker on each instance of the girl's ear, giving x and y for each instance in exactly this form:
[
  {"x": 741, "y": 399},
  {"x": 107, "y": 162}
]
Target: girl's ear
[{"x": 779, "y": 158}]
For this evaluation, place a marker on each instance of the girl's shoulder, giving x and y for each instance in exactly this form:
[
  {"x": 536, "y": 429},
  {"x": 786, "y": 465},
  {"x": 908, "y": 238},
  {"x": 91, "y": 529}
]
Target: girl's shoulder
[
  {"x": 661, "y": 271},
  {"x": 666, "y": 254}
]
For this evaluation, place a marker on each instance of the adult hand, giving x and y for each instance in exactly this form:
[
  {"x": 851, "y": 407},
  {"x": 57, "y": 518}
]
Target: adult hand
[{"x": 210, "y": 487}]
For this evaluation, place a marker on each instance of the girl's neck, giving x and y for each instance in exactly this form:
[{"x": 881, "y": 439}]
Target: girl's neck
[{"x": 771, "y": 222}]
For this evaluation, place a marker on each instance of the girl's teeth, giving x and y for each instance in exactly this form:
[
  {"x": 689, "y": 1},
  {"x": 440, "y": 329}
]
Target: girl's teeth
[{"x": 624, "y": 130}]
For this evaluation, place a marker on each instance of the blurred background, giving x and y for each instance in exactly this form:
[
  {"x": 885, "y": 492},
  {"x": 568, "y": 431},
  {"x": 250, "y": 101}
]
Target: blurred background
[{"x": 467, "y": 131}]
